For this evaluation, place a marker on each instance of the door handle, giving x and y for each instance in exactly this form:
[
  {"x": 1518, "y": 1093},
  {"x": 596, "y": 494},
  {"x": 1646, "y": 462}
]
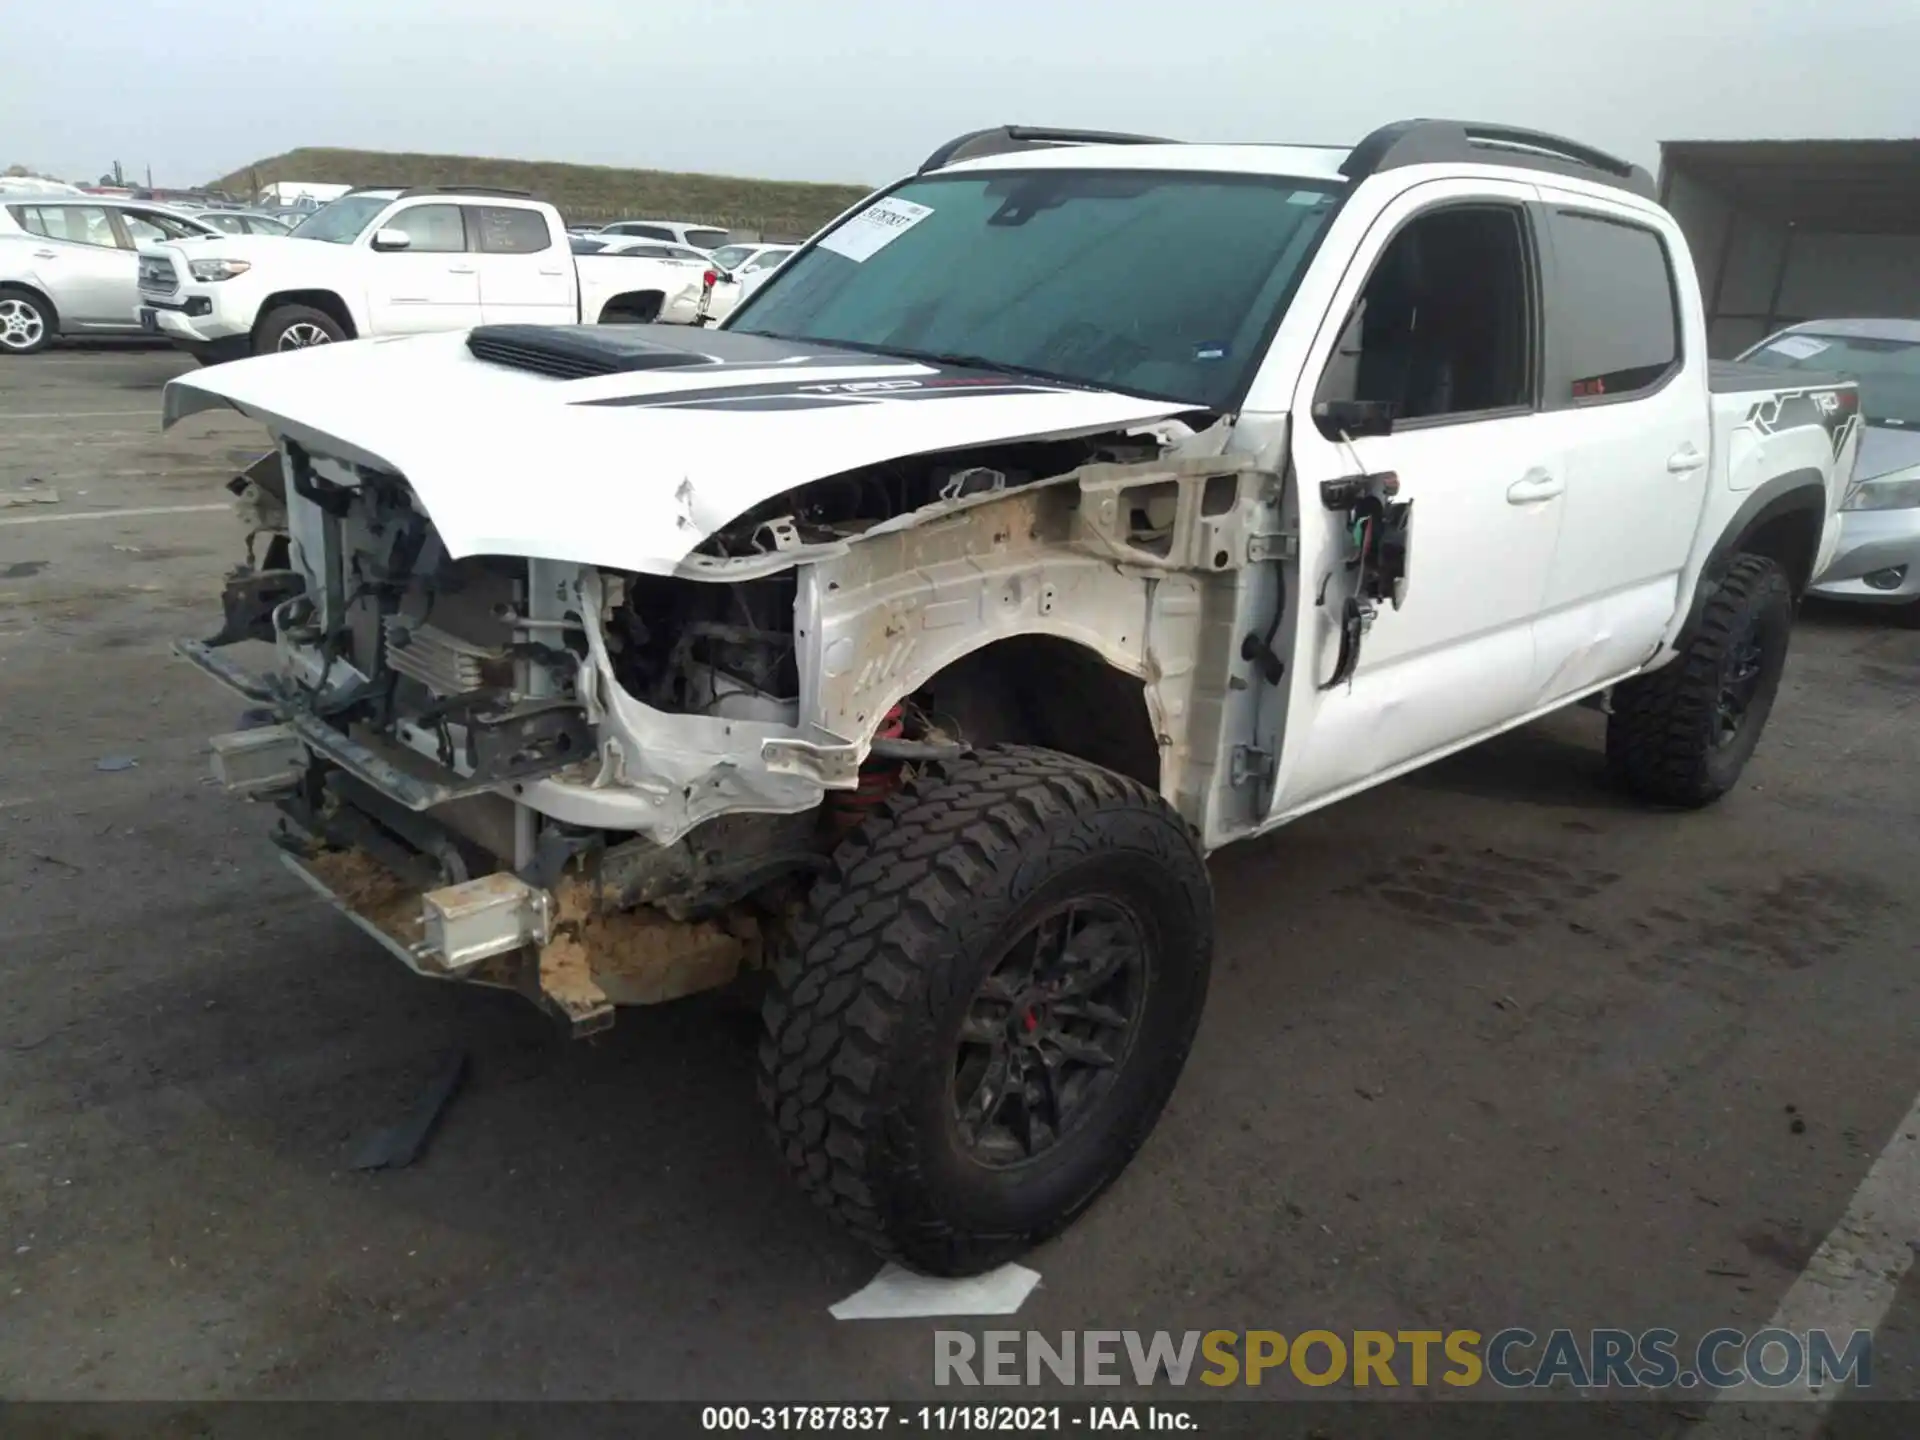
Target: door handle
[
  {"x": 46, "y": 254},
  {"x": 1533, "y": 487},
  {"x": 553, "y": 272},
  {"x": 1685, "y": 459},
  {"x": 460, "y": 270}
]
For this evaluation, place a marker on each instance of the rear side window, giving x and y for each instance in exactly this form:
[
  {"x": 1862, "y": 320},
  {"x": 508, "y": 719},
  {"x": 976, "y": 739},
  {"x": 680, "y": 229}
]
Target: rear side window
[
  {"x": 78, "y": 224},
  {"x": 1614, "y": 316},
  {"x": 507, "y": 230},
  {"x": 434, "y": 228}
]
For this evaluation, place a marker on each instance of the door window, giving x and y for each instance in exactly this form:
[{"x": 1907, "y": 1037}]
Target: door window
[
  {"x": 434, "y": 229},
  {"x": 144, "y": 227},
  {"x": 76, "y": 224},
  {"x": 1614, "y": 315},
  {"x": 507, "y": 230},
  {"x": 1443, "y": 329}
]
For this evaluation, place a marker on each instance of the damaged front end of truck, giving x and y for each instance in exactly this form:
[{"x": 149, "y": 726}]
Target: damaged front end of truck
[{"x": 601, "y": 763}]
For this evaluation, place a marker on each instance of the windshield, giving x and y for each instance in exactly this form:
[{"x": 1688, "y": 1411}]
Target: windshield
[
  {"x": 341, "y": 222},
  {"x": 731, "y": 257},
  {"x": 1159, "y": 284},
  {"x": 1888, "y": 371}
]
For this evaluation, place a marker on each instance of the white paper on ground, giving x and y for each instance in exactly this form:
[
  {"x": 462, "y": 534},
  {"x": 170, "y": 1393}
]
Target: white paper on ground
[
  {"x": 896, "y": 1294},
  {"x": 1798, "y": 347},
  {"x": 875, "y": 227}
]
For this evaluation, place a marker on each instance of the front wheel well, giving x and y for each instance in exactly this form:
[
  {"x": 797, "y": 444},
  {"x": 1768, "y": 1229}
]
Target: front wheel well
[
  {"x": 324, "y": 301},
  {"x": 1052, "y": 693}
]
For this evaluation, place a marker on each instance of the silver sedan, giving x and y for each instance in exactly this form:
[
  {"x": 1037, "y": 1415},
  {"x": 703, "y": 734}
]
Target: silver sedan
[
  {"x": 1878, "y": 559},
  {"x": 68, "y": 267}
]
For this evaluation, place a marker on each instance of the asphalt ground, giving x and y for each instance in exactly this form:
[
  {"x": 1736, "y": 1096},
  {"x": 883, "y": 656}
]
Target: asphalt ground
[{"x": 1486, "y": 1047}]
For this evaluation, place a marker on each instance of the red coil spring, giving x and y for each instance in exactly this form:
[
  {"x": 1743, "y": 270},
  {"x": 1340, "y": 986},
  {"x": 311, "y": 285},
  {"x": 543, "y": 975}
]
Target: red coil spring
[{"x": 879, "y": 778}]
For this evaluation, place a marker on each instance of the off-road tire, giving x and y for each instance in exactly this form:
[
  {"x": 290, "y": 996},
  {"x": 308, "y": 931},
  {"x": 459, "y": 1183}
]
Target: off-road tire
[
  {"x": 282, "y": 318},
  {"x": 1662, "y": 736},
  {"x": 30, "y": 306},
  {"x": 862, "y": 1016}
]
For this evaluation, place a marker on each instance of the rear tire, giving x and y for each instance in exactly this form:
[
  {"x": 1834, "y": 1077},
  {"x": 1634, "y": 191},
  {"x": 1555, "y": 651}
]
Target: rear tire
[
  {"x": 296, "y": 327},
  {"x": 28, "y": 322},
  {"x": 1682, "y": 735},
  {"x": 1014, "y": 908}
]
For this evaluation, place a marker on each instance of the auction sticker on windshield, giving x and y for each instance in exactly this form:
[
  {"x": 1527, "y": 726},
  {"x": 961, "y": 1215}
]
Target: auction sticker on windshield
[
  {"x": 1798, "y": 347},
  {"x": 875, "y": 228}
]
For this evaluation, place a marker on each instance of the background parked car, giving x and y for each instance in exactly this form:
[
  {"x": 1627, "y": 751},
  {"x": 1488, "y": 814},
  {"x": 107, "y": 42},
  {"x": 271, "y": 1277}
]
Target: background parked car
[
  {"x": 1878, "y": 559},
  {"x": 635, "y": 245},
  {"x": 245, "y": 222},
  {"x": 752, "y": 264},
  {"x": 678, "y": 232},
  {"x": 67, "y": 265}
]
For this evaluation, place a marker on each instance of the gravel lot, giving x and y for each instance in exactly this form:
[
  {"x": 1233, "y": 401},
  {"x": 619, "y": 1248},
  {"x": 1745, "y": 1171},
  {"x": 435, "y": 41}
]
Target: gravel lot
[{"x": 1485, "y": 1047}]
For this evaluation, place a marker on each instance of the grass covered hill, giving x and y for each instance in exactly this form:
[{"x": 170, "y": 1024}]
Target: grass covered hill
[{"x": 584, "y": 193}]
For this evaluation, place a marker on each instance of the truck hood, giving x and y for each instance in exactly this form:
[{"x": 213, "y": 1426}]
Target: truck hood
[
  {"x": 626, "y": 446},
  {"x": 255, "y": 248}
]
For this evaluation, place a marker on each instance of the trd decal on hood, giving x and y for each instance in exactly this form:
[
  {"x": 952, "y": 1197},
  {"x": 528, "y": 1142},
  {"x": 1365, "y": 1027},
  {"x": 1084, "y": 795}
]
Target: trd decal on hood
[
  {"x": 1835, "y": 411},
  {"x": 799, "y": 395}
]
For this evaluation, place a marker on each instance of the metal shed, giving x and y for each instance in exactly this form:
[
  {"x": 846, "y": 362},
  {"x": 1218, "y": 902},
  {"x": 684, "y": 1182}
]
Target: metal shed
[{"x": 1789, "y": 230}]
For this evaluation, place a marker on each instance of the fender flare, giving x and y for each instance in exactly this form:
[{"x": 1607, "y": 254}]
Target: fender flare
[{"x": 1796, "y": 492}]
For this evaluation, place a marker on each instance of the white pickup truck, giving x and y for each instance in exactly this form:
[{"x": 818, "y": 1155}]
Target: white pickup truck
[
  {"x": 403, "y": 262},
  {"x": 915, "y": 634}
]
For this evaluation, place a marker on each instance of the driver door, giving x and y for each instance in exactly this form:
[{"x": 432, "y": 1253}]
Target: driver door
[
  {"x": 1438, "y": 318},
  {"x": 433, "y": 284}
]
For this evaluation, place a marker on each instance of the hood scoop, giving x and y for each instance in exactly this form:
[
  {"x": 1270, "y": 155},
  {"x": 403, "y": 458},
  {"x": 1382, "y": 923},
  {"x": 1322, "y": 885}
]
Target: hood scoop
[
  {"x": 575, "y": 352},
  {"x": 578, "y": 352}
]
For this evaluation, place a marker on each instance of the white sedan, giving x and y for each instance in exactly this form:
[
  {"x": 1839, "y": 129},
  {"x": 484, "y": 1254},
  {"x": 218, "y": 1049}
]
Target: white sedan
[{"x": 752, "y": 264}]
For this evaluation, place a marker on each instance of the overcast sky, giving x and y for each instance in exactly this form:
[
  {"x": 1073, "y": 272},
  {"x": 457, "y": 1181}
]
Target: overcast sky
[{"x": 860, "y": 90}]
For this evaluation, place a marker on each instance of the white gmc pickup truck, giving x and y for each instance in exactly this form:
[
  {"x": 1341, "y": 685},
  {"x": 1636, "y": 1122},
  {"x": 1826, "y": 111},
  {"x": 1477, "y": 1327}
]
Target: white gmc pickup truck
[
  {"x": 402, "y": 262},
  {"x": 914, "y": 636}
]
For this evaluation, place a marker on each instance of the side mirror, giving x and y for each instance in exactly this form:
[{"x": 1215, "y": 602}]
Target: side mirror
[
  {"x": 387, "y": 238},
  {"x": 1356, "y": 419}
]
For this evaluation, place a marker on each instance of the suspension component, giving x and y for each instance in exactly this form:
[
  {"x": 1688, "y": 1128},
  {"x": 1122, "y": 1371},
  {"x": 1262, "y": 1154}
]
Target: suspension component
[{"x": 879, "y": 778}]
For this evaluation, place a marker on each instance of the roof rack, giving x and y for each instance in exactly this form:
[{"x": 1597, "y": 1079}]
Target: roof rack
[
  {"x": 1425, "y": 142},
  {"x": 1004, "y": 139},
  {"x": 497, "y": 190}
]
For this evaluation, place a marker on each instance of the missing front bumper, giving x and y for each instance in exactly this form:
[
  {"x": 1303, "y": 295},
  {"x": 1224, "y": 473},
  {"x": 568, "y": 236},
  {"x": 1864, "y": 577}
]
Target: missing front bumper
[{"x": 577, "y": 961}]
